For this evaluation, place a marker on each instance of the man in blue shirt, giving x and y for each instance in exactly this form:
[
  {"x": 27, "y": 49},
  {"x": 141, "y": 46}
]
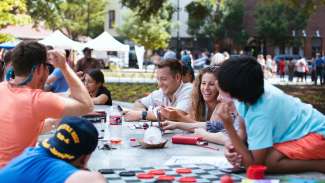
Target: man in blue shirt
[
  {"x": 61, "y": 158},
  {"x": 56, "y": 82}
]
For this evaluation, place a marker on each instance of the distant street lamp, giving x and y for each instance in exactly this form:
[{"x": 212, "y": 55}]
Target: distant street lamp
[{"x": 177, "y": 36}]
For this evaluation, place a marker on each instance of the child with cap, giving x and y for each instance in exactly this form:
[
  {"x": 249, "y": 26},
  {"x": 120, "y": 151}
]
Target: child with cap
[
  {"x": 282, "y": 132},
  {"x": 61, "y": 158}
]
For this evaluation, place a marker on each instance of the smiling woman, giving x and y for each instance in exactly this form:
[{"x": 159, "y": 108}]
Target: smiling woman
[{"x": 205, "y": 93}]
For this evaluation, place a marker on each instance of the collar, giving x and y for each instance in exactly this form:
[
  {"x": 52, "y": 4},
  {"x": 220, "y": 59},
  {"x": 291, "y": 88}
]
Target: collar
[{"x": 173, "y": 99}]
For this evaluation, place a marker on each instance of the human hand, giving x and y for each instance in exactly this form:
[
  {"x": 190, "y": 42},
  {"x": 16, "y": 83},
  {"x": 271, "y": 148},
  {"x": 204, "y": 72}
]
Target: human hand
[
  {"x": 57, "y": 59},
  {"x": 170, "y": 113},
  {"x": 234, "y": 158},
  {"x": 224, "y": 113},
  {"x": 132, "y": 115},
  {"x": 169, "y": 125}
]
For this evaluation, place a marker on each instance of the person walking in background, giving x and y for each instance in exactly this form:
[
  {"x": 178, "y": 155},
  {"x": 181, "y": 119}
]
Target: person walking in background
[
  {"x": 291, "y": 70},
  {"x": 319, "y": 64},
  {"x": 301, "y": 69},
  {"x": 282, "y": 66}
]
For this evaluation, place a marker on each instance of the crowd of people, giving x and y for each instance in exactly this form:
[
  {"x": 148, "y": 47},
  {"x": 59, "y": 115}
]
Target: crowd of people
[{"x": 229, "y": 103}]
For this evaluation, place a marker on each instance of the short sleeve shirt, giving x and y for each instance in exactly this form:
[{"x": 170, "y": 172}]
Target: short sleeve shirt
[
  {"x": 182, "y": 98},
  {"x": 22, "y": 113},
  {"x": 60, "y": 84},
  {"x": 36, "y": 165},
  {"x": 277, "y": 117},
  {"x": 105, "y": 91}
]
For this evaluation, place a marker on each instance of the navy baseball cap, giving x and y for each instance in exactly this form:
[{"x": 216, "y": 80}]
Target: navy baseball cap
[{"x": 74, "y": 137}]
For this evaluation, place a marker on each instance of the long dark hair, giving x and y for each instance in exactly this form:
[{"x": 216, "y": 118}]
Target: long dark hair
[{"x": 198, "y": 103}]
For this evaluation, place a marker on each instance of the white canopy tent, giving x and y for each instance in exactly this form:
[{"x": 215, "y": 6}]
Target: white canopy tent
[
  {"x": 106, "y": 42},
  {"x": 59, "y": 40}
]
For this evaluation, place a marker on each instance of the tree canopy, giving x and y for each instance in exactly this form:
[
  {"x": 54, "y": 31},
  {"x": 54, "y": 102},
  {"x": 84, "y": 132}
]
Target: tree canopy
[
  {"x": 12, "y": 12},
  {"x": 306, "y": 7},
  {"x": 147, "y": 25},
  {"x": 75, "y": 17},
  {"x": 219, "y": 21},
  {"x": 144, "y": 9},
  {"x": 275, "y": 21}
]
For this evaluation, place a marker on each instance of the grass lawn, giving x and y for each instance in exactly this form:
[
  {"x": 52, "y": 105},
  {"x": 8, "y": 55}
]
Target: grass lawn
[
  {"x": 311, "y": 94},
  {"x": 129, "y": 92}
]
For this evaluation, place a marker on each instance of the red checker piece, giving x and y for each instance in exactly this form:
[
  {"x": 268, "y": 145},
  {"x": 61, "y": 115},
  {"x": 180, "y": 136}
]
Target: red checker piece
[
  {"x": 187, "y": 179},
  {"x": 157, "y": 172},
  {"x": 166, "y": 178},
  {"x": 144, "y": 176},
  {"x": 183, "y": 170}
]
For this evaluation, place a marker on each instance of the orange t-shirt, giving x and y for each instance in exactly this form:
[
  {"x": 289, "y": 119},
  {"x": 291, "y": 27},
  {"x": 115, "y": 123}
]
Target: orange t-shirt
[{"x": 22, "y": 113}]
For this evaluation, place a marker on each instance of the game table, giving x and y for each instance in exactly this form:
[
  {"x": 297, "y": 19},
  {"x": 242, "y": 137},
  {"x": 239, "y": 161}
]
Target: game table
[{"x": 126, "y": 156}]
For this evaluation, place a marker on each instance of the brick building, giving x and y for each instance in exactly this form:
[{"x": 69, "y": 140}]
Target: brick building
[{"x": 313, "y": 37}]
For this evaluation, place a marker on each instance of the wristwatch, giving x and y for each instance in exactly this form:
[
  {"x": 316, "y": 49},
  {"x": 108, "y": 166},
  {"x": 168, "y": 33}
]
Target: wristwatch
[{"x": 144, "y": 115}]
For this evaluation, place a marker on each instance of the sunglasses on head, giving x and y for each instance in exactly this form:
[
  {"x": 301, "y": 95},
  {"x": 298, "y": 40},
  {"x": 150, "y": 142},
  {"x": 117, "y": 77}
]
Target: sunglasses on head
[{"x": 213, "y": 68}]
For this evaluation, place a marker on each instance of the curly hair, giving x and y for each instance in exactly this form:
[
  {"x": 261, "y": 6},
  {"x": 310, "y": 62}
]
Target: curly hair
[{"x": 198, "y": 103}]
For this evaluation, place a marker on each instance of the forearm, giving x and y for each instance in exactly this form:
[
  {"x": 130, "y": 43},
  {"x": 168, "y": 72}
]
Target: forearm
[
  {"x": 217, "y": 138},
  {"x": 190, "y": 126},
  {"x": 239, "y": 145},
  {"x": 186, "y": 118},
  {"x": 77, "y": 90},
  {"x": 151, "y": 116}
]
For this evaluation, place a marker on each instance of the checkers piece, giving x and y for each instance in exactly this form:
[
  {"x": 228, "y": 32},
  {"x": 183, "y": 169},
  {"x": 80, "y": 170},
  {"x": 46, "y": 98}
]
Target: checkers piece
[
  {"x": 187, "y": 179},
  {"x": 144, "y": 176},
  {"x": 106, "y": 171},
  {"x": 127, "y": 173},
  {"x": 183, "y": 170},
  {"x": 157, "y": 172},
  {"x": 165, "y": 178}
]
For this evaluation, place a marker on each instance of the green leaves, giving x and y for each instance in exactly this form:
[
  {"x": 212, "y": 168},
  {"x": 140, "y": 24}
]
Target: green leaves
[
  {"x": 223, "y": 20},
  {"x": 12, "y": 12},
  {"x": 145, "y": 9},
  {"x": 76, "y": 17},
  {"x": 275, "y": 21},
  {"x": 148, "y": 23}
]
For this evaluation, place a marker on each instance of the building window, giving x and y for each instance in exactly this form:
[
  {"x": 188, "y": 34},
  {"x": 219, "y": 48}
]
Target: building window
[{"x": 111, "y": 19}]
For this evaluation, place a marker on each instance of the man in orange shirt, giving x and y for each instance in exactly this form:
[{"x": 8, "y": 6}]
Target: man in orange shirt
[{"x": 25, "y": 106}]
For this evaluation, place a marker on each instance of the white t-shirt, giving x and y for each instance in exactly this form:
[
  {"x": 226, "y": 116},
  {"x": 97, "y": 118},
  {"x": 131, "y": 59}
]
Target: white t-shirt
[
  {"x": 217, "y": 58},
  {"x": 182, "y": 98}
]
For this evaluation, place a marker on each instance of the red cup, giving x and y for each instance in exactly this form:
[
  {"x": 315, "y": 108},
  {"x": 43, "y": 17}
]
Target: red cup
[{"x": 256, "y": 172}]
